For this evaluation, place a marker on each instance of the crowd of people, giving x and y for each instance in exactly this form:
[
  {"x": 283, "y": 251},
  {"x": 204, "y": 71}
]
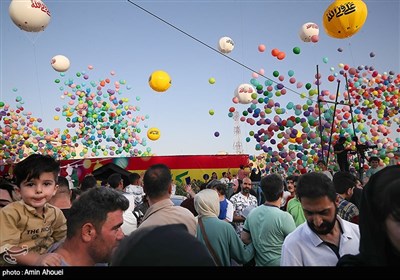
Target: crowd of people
[{"x": 243, "y": 219}]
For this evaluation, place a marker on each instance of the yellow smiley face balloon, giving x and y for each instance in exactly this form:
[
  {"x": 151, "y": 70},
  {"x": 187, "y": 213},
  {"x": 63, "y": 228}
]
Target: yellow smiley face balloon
[
  {"x": 153, "y": 133},
  {"x": 160, "y": 81}
]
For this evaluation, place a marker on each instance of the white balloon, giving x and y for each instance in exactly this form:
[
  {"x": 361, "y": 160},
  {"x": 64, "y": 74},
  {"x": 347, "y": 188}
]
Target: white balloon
[
  {"x": 308, "y": 30},
  {"x": 226, "y": 45},
  {"x": 60, "y": 63},
  {"x": 243, "y": 92},
  {"x": 29, "y": 15}
]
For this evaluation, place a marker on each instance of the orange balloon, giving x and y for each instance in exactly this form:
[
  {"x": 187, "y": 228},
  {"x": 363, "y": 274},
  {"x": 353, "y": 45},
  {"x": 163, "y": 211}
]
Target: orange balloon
[
  {"x": 281, "y": 55},
  {"x": 344, "y": 18},
  {"x": 275, "y": 52}
]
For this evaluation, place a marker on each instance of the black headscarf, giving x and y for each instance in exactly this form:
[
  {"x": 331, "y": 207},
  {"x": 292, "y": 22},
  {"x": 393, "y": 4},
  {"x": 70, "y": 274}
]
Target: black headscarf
[{"x": 375, "y": 247}]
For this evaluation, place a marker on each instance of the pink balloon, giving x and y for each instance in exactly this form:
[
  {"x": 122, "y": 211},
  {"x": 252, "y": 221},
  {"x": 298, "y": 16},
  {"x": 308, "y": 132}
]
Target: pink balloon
[
  {"x": 299, "y": 85},
  {"x": 314, "y": 38}
]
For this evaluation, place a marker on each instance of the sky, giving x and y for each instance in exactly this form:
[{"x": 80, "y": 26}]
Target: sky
[{"x": 125, "y": 43}]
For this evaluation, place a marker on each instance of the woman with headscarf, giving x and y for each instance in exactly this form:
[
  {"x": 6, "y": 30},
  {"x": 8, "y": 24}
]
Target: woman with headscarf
[
  {"x": 379, "y": 221},
  {"x": 221, "y": 235}
]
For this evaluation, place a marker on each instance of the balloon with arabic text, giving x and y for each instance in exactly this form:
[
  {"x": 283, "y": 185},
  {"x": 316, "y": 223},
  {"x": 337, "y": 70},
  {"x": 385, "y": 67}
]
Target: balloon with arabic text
[
  {"x": 309, "y": 32},
  {"x": 60, "y": 63},
  {"x": 343, "y": 19},
  {"x": 225, "y": 45},
  {"x": 31, "y": 16},
  {"x": 244, "y": 93}
]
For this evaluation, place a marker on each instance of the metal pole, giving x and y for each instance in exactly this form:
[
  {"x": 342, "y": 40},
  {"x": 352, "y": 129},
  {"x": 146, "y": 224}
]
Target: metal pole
[
  {"x": 333, "y": 120},
  {"x": 360, "y": 172},
  {"x": 319, "y": 116}
]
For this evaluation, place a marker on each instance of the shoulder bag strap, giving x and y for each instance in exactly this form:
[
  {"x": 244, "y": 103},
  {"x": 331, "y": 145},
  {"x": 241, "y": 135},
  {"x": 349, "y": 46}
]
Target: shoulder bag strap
[{"x": 210, "y": 248}]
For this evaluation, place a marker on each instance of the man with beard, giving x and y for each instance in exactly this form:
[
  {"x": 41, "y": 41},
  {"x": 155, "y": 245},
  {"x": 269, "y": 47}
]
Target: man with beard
[
  {"x": 240, "y": 202},
  {"x": 93, "y": 228},
  {"x": 325, "y": 237}
]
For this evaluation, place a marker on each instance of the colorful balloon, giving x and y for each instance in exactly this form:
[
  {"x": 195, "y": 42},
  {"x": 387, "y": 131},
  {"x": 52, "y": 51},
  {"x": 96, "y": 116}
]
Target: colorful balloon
[
  {"x": 60, "y": 63},
  {"x": 343, "y": 19},
  {"x": 308, "y": 30},
  {"x": 160, "y": 81},
  {"x": 243, "y": 93},
  {"x": 153, "y": 133},
  {"x": 31, "y": 16},
  {"x": 225, "y": 45}
]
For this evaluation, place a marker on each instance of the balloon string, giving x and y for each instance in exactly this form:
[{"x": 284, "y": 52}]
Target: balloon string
[
  {"x": 215, "y": 50},
  {"x": 351, "y": 53},
  {"x": 241, "y": 36},
  {"x": 37, "y": 79}
]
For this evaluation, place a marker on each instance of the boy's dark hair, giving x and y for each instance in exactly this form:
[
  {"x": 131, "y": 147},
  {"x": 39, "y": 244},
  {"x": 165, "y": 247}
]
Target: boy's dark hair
[
  {"x": 219, "y": 187},
  {"x": 63, "y": 184},
  {"x": 272, "y": 186},
  {"x": 133, "y": 178},
  {"x": 156, "y": 180},
  {"x": 114, "y": 180},
  {"x": 93, "y": 206},
  {"x": 343, "y": 181},
  {"x": 293, "y": 178},
  {"x": 373, "y": 158},
  {"x": 88, "y": 182},
  {"x": 315, "y": 185},
  {"x": 33, "y": 166}
]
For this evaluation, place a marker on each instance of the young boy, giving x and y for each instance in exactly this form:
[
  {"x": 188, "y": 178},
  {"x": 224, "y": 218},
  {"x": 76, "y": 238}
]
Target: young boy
[{"x": 30, "y": 226}]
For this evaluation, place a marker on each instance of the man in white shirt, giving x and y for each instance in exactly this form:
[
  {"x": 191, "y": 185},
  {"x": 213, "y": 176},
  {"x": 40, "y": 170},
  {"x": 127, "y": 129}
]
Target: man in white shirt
[
  {"x": 241, "y": 201},
  {"x": 325, "y": 237},
  {"x": 115, "y": 181},
  {"x": 135, "y": 187}
]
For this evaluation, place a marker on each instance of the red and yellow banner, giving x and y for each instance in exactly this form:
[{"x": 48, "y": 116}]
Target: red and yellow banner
[{"x": 182, "y": 167}]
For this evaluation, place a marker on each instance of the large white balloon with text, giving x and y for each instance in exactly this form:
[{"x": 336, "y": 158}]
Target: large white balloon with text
[
  {"x": 29, "y": 15},
  {"x": 244, "y": 92}
]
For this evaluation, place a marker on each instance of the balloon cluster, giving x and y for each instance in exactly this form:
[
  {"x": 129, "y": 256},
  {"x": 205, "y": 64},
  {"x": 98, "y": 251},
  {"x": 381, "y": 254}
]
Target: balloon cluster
[
  {"x": 21, "y": 134},
  {"x": 98, "y": 118},
  {"x": 99, "y": 123},
  {"x": 288, "y": 134}
]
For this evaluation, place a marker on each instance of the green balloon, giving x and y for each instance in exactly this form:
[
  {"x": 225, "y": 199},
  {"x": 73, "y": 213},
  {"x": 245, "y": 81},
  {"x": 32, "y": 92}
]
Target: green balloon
[{"x": 296, "y": 50}]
